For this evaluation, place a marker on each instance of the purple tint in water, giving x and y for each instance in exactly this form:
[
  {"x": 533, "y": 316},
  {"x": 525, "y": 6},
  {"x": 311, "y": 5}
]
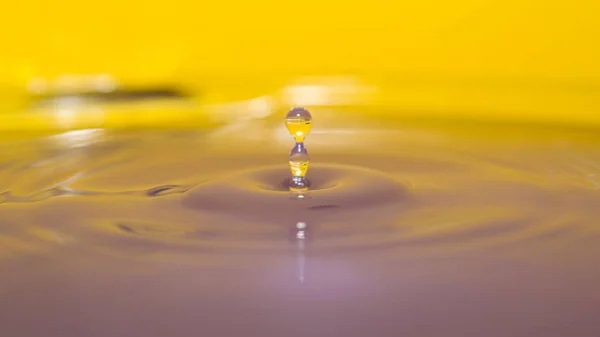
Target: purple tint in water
[{"x": 149, "y": 236}]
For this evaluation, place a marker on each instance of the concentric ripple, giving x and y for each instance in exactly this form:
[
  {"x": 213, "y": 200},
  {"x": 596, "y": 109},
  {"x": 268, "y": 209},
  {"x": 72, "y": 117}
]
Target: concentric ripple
[
  {"x": 349, "y": 210},
  {"x": 416, "y": 201},
  {"x": 261, "y": 194}
]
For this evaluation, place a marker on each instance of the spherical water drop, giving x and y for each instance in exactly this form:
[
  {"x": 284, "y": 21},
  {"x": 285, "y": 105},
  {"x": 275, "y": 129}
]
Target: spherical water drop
[{"x": 298, "y": 122}]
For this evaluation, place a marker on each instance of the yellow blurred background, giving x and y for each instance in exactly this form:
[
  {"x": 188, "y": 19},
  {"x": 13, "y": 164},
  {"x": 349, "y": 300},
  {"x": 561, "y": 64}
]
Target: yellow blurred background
[{"x": 489, "y": 59}]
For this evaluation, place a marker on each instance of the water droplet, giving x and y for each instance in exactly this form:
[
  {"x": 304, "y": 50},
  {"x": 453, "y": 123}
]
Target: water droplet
[
  {"x": 298, "y": 122},
  {"x": 298, "y": 161}
]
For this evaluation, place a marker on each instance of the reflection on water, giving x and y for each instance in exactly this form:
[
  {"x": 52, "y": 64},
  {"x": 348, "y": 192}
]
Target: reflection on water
[
  {"x": 412, "y": 231},
  {"x": 300, "y": 237}
]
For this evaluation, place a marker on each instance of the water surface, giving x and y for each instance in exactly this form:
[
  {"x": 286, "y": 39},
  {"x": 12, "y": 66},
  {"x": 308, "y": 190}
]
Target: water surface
[{"x": 408, "y": 230}]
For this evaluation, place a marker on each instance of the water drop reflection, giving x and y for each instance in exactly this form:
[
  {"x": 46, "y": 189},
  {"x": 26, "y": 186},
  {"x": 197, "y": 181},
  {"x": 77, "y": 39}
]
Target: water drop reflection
[
  {"x": 300, "y": 194},
  {"x": 300, "y": 246}
]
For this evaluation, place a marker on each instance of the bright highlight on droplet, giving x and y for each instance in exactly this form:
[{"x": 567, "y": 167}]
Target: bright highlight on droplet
[{"x": 298, "y": 122}]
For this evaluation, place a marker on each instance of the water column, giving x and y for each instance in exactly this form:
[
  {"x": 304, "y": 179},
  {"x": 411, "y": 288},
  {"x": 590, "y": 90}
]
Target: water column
[{"x": 298, "y": 122}]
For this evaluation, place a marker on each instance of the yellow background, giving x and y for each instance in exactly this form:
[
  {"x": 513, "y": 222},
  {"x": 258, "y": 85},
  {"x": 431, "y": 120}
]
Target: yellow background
[{"x": 481, "y": 58}]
